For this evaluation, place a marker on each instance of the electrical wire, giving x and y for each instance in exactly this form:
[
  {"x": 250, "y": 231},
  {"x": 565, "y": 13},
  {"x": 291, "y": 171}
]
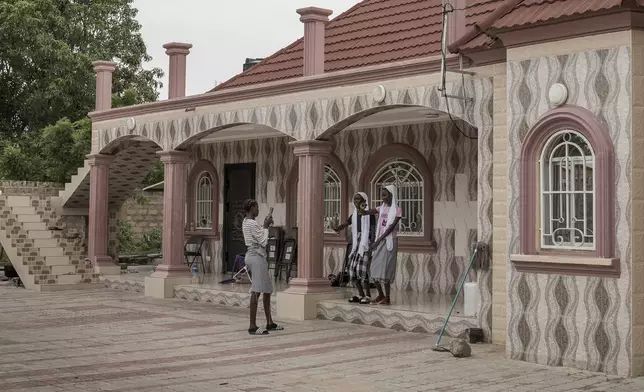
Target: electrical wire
[{"x": 444, "y": 60}]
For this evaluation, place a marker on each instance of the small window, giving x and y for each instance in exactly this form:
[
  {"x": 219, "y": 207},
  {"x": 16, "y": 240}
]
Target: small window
[
  {"x": 567, "y": 192},
  {"x": 332, "y": 199},
  {"x": 204, "y": 200},
  {"x": 410, "y": 186}
]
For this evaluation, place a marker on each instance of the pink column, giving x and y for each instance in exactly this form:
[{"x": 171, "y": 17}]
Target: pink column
[
  {"x": 177, "y": 75},
  {"x": 315, "y": 20},
  {"x": 99, "y": 178},
  {"x": 104, "y": 70},
  {"x": 175, "y": 164},
  {"x": 312, "y": 155}
]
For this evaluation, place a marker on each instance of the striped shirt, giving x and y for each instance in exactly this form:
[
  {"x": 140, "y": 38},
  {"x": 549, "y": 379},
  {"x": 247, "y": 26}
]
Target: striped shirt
[{"x": 255, "y": 236}]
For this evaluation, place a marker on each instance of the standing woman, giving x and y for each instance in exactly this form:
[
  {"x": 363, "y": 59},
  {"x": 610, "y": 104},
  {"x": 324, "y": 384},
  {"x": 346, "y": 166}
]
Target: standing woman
[
  {"x": 363, "y": 229},
  {"x": 384, "y": 256},
  {"x": 256, "y": 238}
]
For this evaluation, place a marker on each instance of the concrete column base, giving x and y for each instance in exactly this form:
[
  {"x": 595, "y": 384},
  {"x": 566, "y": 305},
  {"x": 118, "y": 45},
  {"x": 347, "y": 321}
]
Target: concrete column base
[
  {"x": 106, "y": 270},
  {"x": 301, "y": 306},
  {"x": 163, "y": 287}
]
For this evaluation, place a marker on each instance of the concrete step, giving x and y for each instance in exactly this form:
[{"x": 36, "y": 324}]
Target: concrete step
[
  {"x": 18, "y": 201},
  {"x": 23, "y": 210},
  {"x": 46, "y": 243},
  {"x": 63, "y": 269},
  {"x": 29, "y": 218},
  {"x": 49, "y": 252},
  {"x": 76, "y": 286},
  {"x": 39, "y": 234},
  {"x": 58, "y": 260},
  {"x": 70, "y": 279},
  {"x": 34, "y": 226}
]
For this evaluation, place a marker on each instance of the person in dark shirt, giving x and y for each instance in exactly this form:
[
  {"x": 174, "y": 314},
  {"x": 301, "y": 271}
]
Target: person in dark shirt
[{"x": 363, "y": 231}]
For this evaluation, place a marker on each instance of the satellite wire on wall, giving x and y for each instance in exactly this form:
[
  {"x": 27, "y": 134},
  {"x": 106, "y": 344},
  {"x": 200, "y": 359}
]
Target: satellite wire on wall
[{"x": 443, "y": 88}]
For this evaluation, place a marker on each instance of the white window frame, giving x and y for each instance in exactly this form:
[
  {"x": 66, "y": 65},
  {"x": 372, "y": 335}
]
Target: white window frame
[
  {"x": 204, "y": 201},
  {"x": 332, "y": 199},
  {"x": 547, "y": 231},
  {"x": 391, "y": 174}
]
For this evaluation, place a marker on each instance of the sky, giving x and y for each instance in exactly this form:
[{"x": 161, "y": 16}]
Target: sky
[{"x": 223, "y": 33}]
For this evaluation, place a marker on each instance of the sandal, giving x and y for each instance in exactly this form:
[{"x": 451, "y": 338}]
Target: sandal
[
  {"x": 385, "y": 301},
  {"x": 378, "y": 300},
  {"x": 365, "y": 300},
  {"x": 274, "y": 327},
  {"x": 257, "y": 331},
  {"x": 354, "y": 299}
]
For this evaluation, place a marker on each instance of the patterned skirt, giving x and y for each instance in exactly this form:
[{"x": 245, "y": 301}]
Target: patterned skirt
[{"x": 359, "y": 266}]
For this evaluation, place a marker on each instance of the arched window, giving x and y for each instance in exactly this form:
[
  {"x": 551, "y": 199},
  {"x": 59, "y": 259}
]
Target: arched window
[
  {"x": 203, "y": 202},
  {"x": 335, "y": 199},
  {"x": 202, "y": 212},
  {"x": 567, "y": 195},
  {"x": 332, "y": 199},
  {"x": 409, "y": 184},
  {"x": 406, "y": 168},
  {"x": 567, "y": 192}
]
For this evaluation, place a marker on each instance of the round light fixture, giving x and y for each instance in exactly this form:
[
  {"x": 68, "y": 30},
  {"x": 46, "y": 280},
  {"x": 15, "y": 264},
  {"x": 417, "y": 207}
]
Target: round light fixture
[
  {"x": 130, "y": 123},
  {"x": 379, "y": 93},
  {"x": 558, "y": 94}
]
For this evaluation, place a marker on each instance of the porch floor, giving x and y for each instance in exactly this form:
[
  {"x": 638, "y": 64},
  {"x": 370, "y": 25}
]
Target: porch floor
[{"x": 409, "y": 311}]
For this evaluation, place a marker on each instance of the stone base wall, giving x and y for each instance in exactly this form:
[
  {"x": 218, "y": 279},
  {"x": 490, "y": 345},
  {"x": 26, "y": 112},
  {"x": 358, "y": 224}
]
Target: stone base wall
[
  {"x": 144, "y": 216},
  {"x": 30, "y": 188}
]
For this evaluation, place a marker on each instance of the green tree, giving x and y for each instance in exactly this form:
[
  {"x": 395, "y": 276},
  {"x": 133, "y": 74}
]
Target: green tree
[
  {"x": 47, "y": 80},
  {"x": 56, "y": 152},
  {"x": 46, "y": 51}
]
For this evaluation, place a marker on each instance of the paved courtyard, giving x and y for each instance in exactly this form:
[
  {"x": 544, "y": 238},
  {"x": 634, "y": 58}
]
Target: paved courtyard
[{"x": 122, "y": 342}]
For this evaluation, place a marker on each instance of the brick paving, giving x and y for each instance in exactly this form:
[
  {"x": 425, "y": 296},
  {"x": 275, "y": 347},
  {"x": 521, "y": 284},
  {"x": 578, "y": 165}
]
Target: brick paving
[{"x": 108, "y": 340}]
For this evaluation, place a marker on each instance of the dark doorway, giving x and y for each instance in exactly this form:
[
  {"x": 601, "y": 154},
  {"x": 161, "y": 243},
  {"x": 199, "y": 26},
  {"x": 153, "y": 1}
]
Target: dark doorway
[{"x": 239, "y": 185}]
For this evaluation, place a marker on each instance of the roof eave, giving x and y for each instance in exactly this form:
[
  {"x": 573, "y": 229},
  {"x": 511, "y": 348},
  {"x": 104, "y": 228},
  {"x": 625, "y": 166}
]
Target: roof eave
[
  {"x": 362, "y": 75},
  {"x": 482, "y": 27}
]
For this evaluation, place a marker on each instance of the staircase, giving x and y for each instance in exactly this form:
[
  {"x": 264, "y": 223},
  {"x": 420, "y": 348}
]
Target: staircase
[
  {"x": 45, "y": 258},
  {"x": 78, "y": 180}
]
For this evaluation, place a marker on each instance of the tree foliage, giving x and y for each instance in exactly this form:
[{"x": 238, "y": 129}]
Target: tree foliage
[
  {"x": 47, "y": 83},
  {"x": 46, "y": 52}
]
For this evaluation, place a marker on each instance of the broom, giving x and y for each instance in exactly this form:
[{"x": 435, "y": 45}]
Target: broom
[{"x": 438, "y": 347}]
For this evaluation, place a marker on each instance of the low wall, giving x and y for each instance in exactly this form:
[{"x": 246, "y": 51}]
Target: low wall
[
  {"x": 30, "y": 188},
  {"x": 144, "y": 213}
]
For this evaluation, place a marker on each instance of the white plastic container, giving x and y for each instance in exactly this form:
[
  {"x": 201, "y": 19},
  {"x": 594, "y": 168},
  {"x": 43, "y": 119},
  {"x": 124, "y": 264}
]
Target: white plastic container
[{"x": 472, "y": 299}]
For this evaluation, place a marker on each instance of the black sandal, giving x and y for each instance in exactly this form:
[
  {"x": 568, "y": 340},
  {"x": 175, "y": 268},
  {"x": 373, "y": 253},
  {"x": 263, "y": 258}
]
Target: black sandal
[
  {"x": 274, "y": 327},
  {"x": 354, "y": 299},
  {"x": 365, "y": 300},
  {"x": 257, "y": 331}
]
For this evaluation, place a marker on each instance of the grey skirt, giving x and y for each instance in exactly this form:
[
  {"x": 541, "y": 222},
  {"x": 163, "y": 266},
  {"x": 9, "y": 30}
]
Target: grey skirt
[
  {"x": 258, "y": 268},
  {"x": 383, "y": 263}
]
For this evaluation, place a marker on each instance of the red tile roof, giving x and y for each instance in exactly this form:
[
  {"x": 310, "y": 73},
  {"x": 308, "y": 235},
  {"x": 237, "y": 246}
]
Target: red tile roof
[
  {"x": 371, "y": 32},
  {"x": 383, "y": 31},
  {"x": 529, "y": 12}
]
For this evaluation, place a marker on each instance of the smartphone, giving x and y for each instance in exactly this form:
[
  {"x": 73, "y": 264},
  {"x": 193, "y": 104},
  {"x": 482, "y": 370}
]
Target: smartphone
[{"x": 270, "y": 214}]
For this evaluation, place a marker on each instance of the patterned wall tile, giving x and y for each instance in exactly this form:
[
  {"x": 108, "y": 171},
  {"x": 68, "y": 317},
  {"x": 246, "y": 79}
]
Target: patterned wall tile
[
  {"x": 305, "y": 120},
  {"x": 323, "y": 118},
  {"x": 566, "y": 320},
  {"x": 450, "y": 153}
]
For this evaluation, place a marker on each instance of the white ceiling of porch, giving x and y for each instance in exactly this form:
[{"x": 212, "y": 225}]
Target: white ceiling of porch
[{"x": 401, "y": 116}]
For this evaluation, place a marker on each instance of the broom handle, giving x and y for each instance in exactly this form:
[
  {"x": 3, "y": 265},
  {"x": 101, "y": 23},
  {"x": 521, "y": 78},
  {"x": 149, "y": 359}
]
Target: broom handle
[{"x": 460, "y": 288}]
